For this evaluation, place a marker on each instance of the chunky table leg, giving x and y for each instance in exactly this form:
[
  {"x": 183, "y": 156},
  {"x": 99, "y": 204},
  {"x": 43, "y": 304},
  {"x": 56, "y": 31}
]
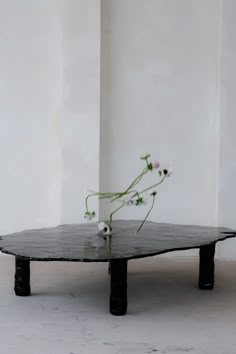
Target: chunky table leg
[
  {"x": 206, "y": 267},
  {"x": 22, "y": 277},
  {"x": 118, "y": 296}
]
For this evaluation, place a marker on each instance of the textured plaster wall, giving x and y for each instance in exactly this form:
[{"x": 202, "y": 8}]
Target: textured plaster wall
[
  {"x": 227, "y": 170},
  {"x": 81, "y": 105},
  {"x": 160, "y": 90},
  {"x": 49, "y": 110},
  {"x": 30, "y": 95}
]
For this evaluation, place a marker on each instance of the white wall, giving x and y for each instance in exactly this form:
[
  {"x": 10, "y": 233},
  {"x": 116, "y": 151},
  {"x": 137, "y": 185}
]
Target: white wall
[
  {"x": 227, "y": 170},
  {"x": 49, "y": 110},
  {"x": 81, "y": 105},
  {"x": 160, "y": 82},
  {"x": 30, "y": 93}
]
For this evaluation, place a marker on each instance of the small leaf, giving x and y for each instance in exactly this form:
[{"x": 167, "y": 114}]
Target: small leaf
[{"x": 149, "y": 166}]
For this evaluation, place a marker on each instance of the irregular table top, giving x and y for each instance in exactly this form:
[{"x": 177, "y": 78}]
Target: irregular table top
[{"x": 81, "y": 242}]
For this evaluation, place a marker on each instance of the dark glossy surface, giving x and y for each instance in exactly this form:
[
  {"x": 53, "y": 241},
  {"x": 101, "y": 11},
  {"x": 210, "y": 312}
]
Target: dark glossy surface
[{"x": 82, "y": 243}]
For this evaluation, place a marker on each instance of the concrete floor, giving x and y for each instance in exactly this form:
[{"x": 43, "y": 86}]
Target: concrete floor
[{"x": 68, "y": 310}]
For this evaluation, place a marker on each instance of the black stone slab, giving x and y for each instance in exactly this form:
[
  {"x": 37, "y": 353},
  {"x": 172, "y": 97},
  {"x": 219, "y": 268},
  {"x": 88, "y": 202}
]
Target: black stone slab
[{"x": 80, "y": 242}]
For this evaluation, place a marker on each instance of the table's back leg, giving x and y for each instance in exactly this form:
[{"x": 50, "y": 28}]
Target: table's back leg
[
  {"x": 206, "y": 267},
  {"x": 22, "y": 277},
  {"x": 118, "y": 296}
]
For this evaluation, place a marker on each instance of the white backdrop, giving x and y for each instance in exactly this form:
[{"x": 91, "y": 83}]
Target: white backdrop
[
  {"x": 30, "y": 99},
  {"x": 227, "y": 167},
  {"x": 165, "y": 86}
]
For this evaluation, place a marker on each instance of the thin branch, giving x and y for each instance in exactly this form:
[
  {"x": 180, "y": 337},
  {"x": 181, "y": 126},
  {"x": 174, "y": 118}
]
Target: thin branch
[{"x": 153, "y": 202}]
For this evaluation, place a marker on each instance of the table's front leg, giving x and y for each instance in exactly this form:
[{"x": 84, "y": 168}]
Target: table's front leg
[
  {"x": 118, "y": 296},
  {"x": 206, "y": 267},
  {"x": 22, "y": 277}
]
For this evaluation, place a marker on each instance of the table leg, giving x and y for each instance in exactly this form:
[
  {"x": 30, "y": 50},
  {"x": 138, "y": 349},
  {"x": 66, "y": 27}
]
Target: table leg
[
  {"x": 118, "y": 296},
  {"x": 22, "y": 277},
  {"x": 206, "y": 267}
]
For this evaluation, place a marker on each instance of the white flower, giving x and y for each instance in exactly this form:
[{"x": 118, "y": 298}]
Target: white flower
[
  {"x": 136, "y": 201},
  {"x": 145, "y": 156},
  {"x": 107, "y": 230},
  {"x": 168, "y": 171},
  {"x": 155, "y": 164},
  {"x": 104, "y": 228},
  {"x": 131, "y": 202},
  {"x": 101, "y": 226}
]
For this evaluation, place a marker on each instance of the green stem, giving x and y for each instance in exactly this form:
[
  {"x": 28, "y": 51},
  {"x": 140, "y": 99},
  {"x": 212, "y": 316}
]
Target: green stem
[
  {"x": 107, "y": 195},
  {"x": 153, "y": 186},
  {"x": 132, "y": 191},
  {"x": 137, "y": 179},
  {"x": 111, "y": 215},
  {"x": 153, "y": 202},
  {"x": 133, "y": 184},
  {"x": 100, "y": 195}
]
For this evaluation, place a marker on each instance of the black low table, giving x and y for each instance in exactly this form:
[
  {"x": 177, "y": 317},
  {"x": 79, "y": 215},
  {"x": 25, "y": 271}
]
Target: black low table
[{"x": 81, "y": 243}]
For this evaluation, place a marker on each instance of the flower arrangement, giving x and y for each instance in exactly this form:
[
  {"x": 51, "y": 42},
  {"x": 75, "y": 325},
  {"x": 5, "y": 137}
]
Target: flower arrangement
[{"x": 130, "y": 195}]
